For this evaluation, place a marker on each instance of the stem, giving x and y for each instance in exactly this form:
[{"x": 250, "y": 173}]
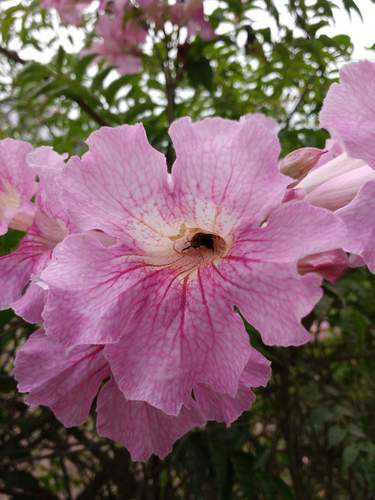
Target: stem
[
  {"x": 170, "y": 92},
  {"x": 11, "y": 55}
]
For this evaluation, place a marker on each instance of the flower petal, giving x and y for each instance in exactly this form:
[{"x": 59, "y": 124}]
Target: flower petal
[
  {"x": 292, "y": 232},
  {"x": 116, "y": 182},
  {"x": 227, "y": 164},
  {"x": 180, "y": 333},
  {"x": 331, "y": 265},
  {"x": 222, "y": 407},
  {"x": 65, "y": 381},
  {"x": 272, "y": 296},
  {"x": 86, "y": 278},
  {"x": 358, "y": 217},
  {"x": 18, "y": 268},
  {"x": 349, "y": 111},
  {"x": 143, "y": 429},
  {"x": 30, "y": 305}
]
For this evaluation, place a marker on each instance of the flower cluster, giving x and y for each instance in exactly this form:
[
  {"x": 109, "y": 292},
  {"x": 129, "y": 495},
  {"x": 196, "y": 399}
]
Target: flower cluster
[
  {"x": 122, "y": 26},
  {"x": 139, "y": 279}
]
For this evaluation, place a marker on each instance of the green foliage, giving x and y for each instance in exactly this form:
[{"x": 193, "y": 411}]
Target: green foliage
[{"x": 311, "y": 433}]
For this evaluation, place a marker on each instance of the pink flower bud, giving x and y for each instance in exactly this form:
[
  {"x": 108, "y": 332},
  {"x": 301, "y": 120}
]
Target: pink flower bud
[{"x": 299, "y": 162}]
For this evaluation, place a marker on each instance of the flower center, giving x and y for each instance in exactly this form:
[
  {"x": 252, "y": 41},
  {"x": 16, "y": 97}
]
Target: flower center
[
  {"x": 196, "y": 247},
  {"x": 187, "y": 250},
  {"x": 206, "y": 243},
  {"x": 9, "y": 198}
]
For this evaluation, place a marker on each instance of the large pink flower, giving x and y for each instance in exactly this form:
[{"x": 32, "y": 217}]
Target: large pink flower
[
  {"x": 67, "y": 381},
  {"x": 21, "y": 268},
  {"x": 17, "y": 186},
  {"x": 190, "y": 246}
]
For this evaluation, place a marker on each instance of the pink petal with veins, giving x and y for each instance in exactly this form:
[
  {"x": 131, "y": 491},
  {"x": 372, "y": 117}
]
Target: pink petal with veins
[
  {"x": 348, "y": 110},
  {"x": 66, "y": 382},
  {"x": 143, "y": 429}
]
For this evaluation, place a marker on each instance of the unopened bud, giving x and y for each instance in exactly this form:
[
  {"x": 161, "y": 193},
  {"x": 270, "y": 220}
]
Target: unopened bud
[{"x": 299, "y": 162}]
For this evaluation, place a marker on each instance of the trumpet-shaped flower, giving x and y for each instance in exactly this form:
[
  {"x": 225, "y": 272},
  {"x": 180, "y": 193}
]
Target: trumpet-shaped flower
[
  {"x": 344, "y": 182},
  {"x": 349, "y": 110},
  {"x": 17, "y": 186},
  {"x": 190, "y": 247},
  {"x": 20, "y": 269},
  {"x": 68, "y": 380}
]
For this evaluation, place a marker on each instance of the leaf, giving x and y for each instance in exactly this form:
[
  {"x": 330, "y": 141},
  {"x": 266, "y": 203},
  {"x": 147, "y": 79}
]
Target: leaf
[
  {"x": 335, "y": 435},
  {"x": 10, "y": 241},
  {"x": 200, "y": 72},
  {"x": 350, "y": 455}
]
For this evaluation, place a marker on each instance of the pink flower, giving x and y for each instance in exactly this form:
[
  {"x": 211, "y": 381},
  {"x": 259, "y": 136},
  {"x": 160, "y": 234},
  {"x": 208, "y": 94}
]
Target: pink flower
[
  {"x": 346, "y": 183},
  {"x": 68, "y": 381},
  {"x": 121, "y": 40},
  {"x": 17, "y": 186},
  {"x": 22, "y": 267},
  {"x": 349, "y": 110},
  {"x": 331, "y": 265},
  {"x": 190, "y": 246},
  {"x": 359, "y": 219},
  {"x": 191, "y": 14},
  {"x": 70, "y": 11},
  {"x": 334, "y": 184},
  {"x": 299, "y": 162}
]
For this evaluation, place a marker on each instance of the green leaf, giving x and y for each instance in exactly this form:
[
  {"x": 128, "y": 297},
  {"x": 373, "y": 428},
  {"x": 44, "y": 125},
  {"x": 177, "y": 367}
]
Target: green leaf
[
  {"x": 350, "y": 455},
  {"x": 200, "y": 72},
  {"x": 10, "y": 241},
  {"x": 335, "y": 436}
]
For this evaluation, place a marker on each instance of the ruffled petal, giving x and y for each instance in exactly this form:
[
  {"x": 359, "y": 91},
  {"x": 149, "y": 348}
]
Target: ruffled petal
[
  {"x": 18, "y": 268},
  {"x": 226, "y": 166},
  {"x": 359, "y": 219},
  {"x": 30, "y": 305},
  {"x": 141, "y": 428},
  {"x": 65, "y": 381},
  {"x": 179, "y": 333},
  {"x": 273, "y": 297},
  {"x": 117, "y": 183},
  {"x": 349, "y": 111},
  {"x": 292, "y": 232}
]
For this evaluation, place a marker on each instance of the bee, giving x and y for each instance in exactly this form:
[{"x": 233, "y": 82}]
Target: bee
[{"x": 199, "y": 240}]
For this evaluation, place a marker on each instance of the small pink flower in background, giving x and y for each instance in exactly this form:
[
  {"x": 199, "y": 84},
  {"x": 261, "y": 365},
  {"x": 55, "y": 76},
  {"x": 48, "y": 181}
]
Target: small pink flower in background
[
  {"x": 70, "y": 11},
  {"x": 190, "y": 246},
  {"x": 191, "y": 15},
  {"x": 121, "y": 41},
  {"x": 17, "y": 186},
  {"x": 22, "y": 267},
  {"x": 68, "y": 381}
]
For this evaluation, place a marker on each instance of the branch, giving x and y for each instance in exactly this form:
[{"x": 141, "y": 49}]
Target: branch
[
  {"x": 299, "y": 102},
  {"x": 11, "y": 55}
]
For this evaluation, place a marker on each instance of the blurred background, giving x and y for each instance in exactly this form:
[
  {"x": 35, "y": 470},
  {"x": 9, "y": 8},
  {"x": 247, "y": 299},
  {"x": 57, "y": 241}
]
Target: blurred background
[{"x": 311, "y": 432}]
